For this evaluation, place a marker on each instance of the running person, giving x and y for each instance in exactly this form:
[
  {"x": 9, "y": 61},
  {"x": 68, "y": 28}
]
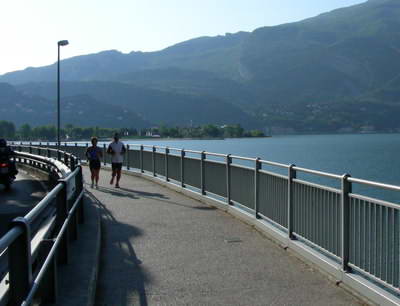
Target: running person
[
  {"x": 117, "y": 150},
  {"x": 94, "y": 154}
]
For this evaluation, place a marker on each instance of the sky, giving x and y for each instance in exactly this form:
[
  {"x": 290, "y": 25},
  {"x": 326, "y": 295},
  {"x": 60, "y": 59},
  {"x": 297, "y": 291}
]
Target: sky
[{"x": 30, "y": 29}]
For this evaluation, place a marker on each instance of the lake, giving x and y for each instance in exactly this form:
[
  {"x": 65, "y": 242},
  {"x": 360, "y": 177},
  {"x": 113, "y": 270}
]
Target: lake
[
  {"x": 369, "y": 156},
  {"x": 373, "y": 157}
]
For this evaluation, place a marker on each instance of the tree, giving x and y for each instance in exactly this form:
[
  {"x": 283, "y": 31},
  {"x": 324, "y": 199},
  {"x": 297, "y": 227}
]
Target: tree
[
  {"x": 7, "y": 129},
  {"x": 25, "y": 131},
  {"x": 211, "y": 130}
]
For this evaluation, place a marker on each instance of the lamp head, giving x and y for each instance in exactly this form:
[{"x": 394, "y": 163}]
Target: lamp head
[{"x": 63, "y": 42}]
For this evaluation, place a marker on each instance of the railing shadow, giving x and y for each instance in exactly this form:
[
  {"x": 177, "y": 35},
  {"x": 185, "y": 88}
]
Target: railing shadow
[
  {"x": 137, "y": 195},
  {"x": 121, "y": 272}
]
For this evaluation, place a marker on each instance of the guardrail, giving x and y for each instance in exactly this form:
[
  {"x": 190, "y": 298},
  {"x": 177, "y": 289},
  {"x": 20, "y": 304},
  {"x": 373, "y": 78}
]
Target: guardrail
[
  {"x": 37, "y": 242},
  {"x": 346, "y": 233}
]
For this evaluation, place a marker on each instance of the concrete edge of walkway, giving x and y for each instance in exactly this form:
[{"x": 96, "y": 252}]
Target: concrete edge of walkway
[
  {"x": 275, "y": 236},
  {"x": 78, "y": 279}
]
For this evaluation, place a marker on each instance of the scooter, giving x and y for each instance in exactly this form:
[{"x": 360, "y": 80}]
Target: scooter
[{"x": 6, "y": 177}]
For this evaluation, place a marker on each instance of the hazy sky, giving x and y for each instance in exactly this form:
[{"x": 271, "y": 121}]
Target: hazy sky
[{"x": 30, "y": 29}]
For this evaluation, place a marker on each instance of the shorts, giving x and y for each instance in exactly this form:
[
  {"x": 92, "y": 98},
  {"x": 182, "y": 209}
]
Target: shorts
[
  {"x": 116, "y": 166},
  {"x": 94, "y": 164}
]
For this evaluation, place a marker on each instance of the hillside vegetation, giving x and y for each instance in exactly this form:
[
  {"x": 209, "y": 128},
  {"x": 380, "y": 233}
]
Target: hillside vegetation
[{"x": 339, "y": 71}]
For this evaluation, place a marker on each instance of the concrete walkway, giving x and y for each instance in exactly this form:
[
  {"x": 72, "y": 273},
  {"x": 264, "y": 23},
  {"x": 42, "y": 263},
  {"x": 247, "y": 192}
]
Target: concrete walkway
[{"x": 162, "y": 248}]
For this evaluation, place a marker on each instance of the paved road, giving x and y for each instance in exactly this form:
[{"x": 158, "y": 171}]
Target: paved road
[
  {"x": 162, "y": 248},
  {"x": 26, "y": 192}
]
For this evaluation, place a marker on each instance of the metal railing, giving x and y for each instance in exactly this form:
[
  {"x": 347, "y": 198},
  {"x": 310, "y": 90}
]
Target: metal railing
[
  {"x": 37, "y": 242},
  {"x": 360, "y": 234}
]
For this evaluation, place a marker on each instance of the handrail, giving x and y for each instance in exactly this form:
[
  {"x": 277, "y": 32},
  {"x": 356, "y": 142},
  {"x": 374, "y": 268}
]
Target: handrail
[
  {"x": 19, "y": 238},
  {"x": 324, "y": 218}
]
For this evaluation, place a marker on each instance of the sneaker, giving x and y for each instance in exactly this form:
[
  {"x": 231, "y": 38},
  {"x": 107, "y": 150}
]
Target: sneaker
[
  {"x": 92, "y": 185},
  {"x": 112, "y": 181},
  {"x": 117, "y": 186},
  {"x": 97, "y": 186}
]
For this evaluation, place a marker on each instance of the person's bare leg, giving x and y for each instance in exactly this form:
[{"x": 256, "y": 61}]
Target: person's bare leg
[
  {"x": 118, "y": 178},
  {"x": 112, "y": 176},
  {"x": 92, "y": 176},
  {"x": 97, "y": 174}
]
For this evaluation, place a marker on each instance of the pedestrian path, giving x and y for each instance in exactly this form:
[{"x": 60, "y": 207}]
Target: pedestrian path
[{"x": 162, "y": 248}]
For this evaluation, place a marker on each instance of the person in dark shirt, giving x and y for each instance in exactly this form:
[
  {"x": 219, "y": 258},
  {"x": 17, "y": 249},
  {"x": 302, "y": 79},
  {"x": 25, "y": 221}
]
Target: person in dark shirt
[
  {"x": 5, "y": 156},
  {"x": 94, "y": 155}
]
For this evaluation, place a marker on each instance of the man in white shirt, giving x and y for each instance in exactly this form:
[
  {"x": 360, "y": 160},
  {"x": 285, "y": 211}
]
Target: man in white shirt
[{"x": 117, "y": 150}]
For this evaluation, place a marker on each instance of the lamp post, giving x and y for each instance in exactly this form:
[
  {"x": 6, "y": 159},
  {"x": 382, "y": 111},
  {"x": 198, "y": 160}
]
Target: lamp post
[{"x": 59, "y": 44}]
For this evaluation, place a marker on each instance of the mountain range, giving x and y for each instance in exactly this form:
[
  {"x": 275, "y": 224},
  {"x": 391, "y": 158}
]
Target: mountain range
[{"x": 339, "y": 71}]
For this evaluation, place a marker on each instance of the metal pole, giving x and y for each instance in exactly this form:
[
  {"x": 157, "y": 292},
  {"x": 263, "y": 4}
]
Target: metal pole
[
  {"x": 49, "y": 285},
  {"x": 20, "y": 263},
  {"x": 62, "y": 214},
  {"x": 127, "y": 157},
  {"x": 141, "y": 159},
  {"x": 228, "y": 178},
  {"x": 345, "y": 221},
  {"x": 202, "y": 173},
  {"x": 183, "y": 168},
  {"x": 154, "y": 160},
  {"x": 291, "y": 176},
  {"x": 58, "y": 98},
  {"x": 166, "y": 164},
  {"x": 256, "y": 186}
]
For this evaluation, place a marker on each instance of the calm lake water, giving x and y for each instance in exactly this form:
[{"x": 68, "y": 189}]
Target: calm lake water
[
  {"x": 373, "y": 157},
  {"x": 369, "y": 156}
]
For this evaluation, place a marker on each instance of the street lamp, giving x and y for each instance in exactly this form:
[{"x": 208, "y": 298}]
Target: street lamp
[{"x": 59, "y": 44}]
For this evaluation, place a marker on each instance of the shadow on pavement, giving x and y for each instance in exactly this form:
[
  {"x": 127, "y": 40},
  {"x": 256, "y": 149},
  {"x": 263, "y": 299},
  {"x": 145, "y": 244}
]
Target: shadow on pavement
[
  {"x": 136, "y": 195},
  {"x": 121, "y": 275}
]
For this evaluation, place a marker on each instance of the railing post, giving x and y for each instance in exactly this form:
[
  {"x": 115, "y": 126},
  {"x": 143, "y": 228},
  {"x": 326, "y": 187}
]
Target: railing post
[
  {"x": 48, "y": 153},
  {"x": 49, "y": 285},
  {"x": 153, "y": 156},
  {"x": 345, "y": 221},
  {"x": 166, "y": 164},
  {"x": 62, "y": 214},
  {"x": 141, "y": 159},
  {"x": 79, "y": 188},
  {"x": 228, "y": 179},
  {"x": 257, "y": 167},
  {"x": 291, "y": 176},
  {"x": 72, "y": 162},
  {"x": 30, "y": 147},
  {"x": 65, "y": 158},
  {"x": 20, "y": 263},
  {"x": 127, "y": 158},
  {"x": 183, "y": 167},
  {"x": 104, "y": 154},
  {"x": 202, "y": 172}
]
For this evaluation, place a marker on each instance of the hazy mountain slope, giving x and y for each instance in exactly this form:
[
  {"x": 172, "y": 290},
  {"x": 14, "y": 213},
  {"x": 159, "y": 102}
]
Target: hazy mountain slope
[
  {"x": 216, "y": 54},
  {"x": 191, "y": 82},
  {"x": 152, "y": 105},
  {"x": 339, "y": 54},
  {"x": 321, "y": 74},
  {"x": 81, "y": 110}
]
